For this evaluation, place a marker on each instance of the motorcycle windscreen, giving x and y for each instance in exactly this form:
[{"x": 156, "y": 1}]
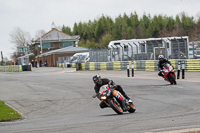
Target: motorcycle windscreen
[
  {"x": 103, "y": 89},
  {"x": 166, "y": 66}
]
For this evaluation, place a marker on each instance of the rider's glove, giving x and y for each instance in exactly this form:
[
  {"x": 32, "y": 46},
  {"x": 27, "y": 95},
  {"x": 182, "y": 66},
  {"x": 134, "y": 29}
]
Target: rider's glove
[
  {"x": 110, "y": 82},
  {"x": 96, "y": 95}
]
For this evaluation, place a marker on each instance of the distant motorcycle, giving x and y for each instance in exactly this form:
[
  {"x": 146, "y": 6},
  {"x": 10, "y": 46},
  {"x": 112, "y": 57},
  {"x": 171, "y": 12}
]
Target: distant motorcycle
[
  {"x": 169, "y": 73},
  {"x": 111, "y": 98}
]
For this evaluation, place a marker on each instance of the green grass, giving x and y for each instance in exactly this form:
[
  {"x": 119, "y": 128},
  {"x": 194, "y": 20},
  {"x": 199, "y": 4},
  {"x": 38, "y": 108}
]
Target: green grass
[{"x": 8, "y": 114}]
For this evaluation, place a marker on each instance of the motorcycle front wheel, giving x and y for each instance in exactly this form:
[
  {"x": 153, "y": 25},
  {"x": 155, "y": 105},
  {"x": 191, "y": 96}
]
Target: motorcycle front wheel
[
  {"x": 115, "y": 106},
  {"x": 132, "y": 108},
  {"x": 172, "y": 79}
]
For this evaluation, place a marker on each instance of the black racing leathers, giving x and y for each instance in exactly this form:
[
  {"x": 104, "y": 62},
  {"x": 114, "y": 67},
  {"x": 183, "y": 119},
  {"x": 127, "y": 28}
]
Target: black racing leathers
[
  {"x": 161, "y": 65},
  {"x": 106, "y": 81}
]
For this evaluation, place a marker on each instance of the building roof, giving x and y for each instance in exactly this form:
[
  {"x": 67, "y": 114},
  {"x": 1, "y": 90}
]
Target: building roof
[
  {"x": 55, "y": 34},
  {"x": 76, "y": 36},
  {"x": 22, "y": 46},
  {"x": 69, "y": 49},
  {"x": 134, "y": 42},
  {"x": 26, "y": 56}
]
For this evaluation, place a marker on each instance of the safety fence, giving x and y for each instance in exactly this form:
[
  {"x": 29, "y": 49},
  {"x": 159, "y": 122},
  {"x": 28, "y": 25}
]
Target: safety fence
[
  {"x": 143, "y": 65},
  {"x": 147, "y": 49},
  {"x": 15, "y": 68}
]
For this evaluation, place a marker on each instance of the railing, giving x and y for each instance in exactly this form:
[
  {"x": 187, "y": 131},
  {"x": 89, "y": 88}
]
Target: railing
[
  {"x": 143, "y": 65},
  {"x": 15, "y": 68},
  {"x": 11, "y": 68}
]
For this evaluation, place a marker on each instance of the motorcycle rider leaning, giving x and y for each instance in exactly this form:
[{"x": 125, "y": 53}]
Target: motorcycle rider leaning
[
  {"x": 104, "y": 81},
  {"x": 161, "y": 63}
]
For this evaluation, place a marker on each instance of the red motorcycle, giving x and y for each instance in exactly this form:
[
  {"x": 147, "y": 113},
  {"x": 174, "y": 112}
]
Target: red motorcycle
[
  {"x": 169, "y": 73},
  {"x": 112, "y": 97}
]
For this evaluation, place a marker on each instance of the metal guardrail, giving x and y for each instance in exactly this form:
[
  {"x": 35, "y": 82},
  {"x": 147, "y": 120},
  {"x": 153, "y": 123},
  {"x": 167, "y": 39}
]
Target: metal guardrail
[
  {"x": 193, "y": 65},
  {"x": 143, "y": 65},
  {"x": 15, "y": 68},
  {"x": 11, "y": 68}
]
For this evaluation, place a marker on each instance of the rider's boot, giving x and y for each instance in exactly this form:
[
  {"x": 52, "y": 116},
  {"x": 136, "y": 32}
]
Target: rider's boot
[
  {"x": 164, "y": 77},
  {"x": 128, "y": 98}
]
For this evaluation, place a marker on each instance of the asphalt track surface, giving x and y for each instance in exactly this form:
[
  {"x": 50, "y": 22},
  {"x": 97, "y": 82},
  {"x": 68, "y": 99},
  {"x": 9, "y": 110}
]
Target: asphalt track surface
[{"x": 52, "y": 100}]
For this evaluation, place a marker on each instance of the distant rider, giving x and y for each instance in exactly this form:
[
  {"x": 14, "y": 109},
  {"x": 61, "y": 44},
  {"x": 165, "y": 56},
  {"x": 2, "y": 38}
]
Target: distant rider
[
  {"x": 161, "y": 63},
  {"x": 104, "y": 81}
]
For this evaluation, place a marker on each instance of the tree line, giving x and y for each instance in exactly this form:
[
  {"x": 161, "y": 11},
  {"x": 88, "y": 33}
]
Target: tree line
[{"x": 100, "y": 32}]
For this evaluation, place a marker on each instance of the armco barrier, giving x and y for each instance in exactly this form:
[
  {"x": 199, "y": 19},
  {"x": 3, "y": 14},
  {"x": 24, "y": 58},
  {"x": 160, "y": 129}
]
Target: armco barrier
[
  {"x": 11, "y": 68},
  {"x": 91, "y": 66},
  {"x": 156, "y": 65},
  {"x": 83, "y": 66},
  {"x": 144, "y": 65},
  {"x": 140, "y": 65},
  {"x": 124, "y": 65},
  {"x": 116, "y": 65},
  {"x": 150, "y": 65},
  {"x": 193, "y": 65},
  {"x": 73, "y": 65},
  {"x": 103, "y": 66},
  {"x": 109, "y": 65},
  {"x": 97, "y": 65}
]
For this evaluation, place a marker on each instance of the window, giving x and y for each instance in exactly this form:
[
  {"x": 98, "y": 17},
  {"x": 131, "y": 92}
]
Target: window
[
  {"x": 125, "y": 47},
  {"x": 52, "y": 45},
  {"x": 167, "y": 45},
  {"x": 66, "y": 44},
  {"x": 47, "y": 45},
  {"x": 142, "y": 47}
]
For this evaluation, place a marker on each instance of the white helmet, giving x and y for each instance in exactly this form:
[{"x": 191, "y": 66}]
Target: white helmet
[{"x": 160, "y": 57}]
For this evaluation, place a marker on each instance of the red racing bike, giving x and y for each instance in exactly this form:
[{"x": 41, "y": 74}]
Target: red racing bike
[{"x": 169, "y": 73}]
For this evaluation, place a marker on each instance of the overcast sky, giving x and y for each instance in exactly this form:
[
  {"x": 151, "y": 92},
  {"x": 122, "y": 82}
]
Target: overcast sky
[{"x": 34, "y": 15}]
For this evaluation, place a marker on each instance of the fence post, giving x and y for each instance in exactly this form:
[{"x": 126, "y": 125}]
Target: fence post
[
  {"x": 183, "y": 70},
  {"x": 128, "y": 69},
  {"x": 132, "y": 68},
  {"x": 179, "y": 68}
]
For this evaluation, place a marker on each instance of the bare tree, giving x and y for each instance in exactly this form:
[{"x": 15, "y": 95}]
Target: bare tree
[
  {"x": 20, "y": 37},
  {"x": 39, "y": 33}
]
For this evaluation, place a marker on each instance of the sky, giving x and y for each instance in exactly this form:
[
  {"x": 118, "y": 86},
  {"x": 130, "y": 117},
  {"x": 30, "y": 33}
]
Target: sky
[{"x": 34, "y": 15}]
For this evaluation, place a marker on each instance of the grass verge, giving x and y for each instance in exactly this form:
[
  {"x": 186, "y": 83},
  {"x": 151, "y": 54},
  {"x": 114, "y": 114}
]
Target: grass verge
[{"x": 8, "y": 114}]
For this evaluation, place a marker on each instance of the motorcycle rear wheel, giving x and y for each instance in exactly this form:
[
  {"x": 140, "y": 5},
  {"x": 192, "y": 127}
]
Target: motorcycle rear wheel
[{"x": 115, "y": 106}]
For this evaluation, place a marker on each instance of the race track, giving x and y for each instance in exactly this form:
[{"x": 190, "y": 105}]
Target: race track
[{"x": 52, "y": 100}]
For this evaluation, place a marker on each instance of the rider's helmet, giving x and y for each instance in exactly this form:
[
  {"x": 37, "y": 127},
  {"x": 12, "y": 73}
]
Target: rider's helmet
[
  {"x": 160, "y": 57},
  {"x": 97, "y": 79}
]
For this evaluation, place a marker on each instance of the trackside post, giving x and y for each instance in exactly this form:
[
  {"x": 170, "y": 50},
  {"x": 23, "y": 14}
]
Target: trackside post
[
  {"x": 179, "y": 68},
  {"x": 132, "y": 69},
  {"x": 183, "y": 70},
  {"x": 128, "y": 74}
]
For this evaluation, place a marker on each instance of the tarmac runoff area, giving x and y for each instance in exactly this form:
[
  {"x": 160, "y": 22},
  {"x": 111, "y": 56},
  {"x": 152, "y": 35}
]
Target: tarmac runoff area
[{"x": 60, "y": 100}]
